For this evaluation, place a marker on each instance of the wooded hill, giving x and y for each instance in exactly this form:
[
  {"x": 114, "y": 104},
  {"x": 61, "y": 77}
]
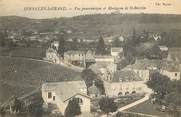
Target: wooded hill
[{"x": 91, "y": 26}]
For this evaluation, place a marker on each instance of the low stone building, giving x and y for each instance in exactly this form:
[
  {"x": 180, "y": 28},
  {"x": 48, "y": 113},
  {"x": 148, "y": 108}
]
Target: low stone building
[
  {"x": 59, "y": 94},
  {"x": 125, "y": 83}
]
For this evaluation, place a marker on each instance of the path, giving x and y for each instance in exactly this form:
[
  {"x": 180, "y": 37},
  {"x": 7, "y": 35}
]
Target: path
[
  {"x": 145, "y": 98},
  {"x": 135, "y": 103},
  {"x": 145, "y": 115}
]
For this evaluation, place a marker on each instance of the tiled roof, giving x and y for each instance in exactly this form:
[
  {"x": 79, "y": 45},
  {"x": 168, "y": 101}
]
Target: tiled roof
[
  {"x": 144, "y": 64},
  {"x": 65, "y": 90},
  {"x": 75, "y": 52},
  {"x": 50, "y": 50},
  {"x": 116, "y": 49},
  {"x": 125, "y": 76}
]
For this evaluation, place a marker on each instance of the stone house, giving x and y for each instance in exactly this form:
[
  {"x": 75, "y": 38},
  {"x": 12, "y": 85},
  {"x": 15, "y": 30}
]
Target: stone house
[
  {"x": 59, "y": 94},
  {"x": 125, "y": 83},
  {"x": 174, "y": 54},
  {"x": 74, "y": 56},
  {"x": 79, "y": 57},
  {"x": 52, "y": 55},
  {"x": 143, "y": 67},
  {"x": 172, "y": 72}
]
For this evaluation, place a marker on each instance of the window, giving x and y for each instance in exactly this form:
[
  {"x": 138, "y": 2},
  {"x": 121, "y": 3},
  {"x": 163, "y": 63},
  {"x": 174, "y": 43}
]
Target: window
[
  {"x": 53, "y": 98},
  {"x": 120, "y": 93},
  {"x": 96, "y": 95},
  {"x": 49, "y": 95},
  {"x": 175, "y": 74},
  {"x": 79, "y": 100},
  {"x": 127, "y": 93}
]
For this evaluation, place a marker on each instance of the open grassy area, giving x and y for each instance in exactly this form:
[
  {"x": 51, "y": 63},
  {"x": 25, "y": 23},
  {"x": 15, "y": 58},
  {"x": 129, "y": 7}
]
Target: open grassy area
[
  {"x": 18, "y": 76},
  {"x": 149, "y": 108},
  {"x": 36, "y": 53}
]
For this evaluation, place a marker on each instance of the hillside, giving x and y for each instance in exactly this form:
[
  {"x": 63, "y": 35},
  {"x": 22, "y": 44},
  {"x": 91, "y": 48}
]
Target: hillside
[
  {"x": 19, "y": 76},
  {"x": 91, "y": 26}
]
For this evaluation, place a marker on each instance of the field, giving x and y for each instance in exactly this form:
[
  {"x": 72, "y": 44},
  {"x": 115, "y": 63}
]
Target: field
[
  {"x": 18, "y": 75},
  {"x": 36, "y": 53},
  {"x": 148, "y": 108}
]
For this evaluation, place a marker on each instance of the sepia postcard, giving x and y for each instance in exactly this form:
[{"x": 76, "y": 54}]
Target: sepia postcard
[{"x": 90, "y": 58}]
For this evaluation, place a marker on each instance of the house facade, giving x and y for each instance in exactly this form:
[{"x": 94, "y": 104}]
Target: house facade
[
  {"x": 144, "y": 67},
  {"x": 74, "y": 56},
  {"x": 125, "y": 82},
  {"x": 52, "y": 55},
  {"x": 59, "y": 94},
  {"x": 172, "y": 74},
  {"x": 143, "y": 73},
  {"x": 125, "y": 88},
  {"x": 79, "y": 57},
  {"x": 115, "y": 51},
  {"x": 104, "y": 59}
]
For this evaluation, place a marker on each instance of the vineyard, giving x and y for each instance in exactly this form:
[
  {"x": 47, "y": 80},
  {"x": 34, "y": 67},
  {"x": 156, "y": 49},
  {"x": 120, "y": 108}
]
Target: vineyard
[{"x": 19, "y": 76}]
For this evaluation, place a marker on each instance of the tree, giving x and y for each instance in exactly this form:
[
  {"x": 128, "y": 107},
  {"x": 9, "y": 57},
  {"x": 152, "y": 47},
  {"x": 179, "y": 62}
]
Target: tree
[
  {"x": 117, "y": 43},
  {"x": 3, "y": 36},
  {"x": 2, "y": 112},
  {"x": 160, "y": 84},
  {"x": 89, "y": 76},
  {"x": 61, "y": 47},
  {"x": 130, "y": 48},
  {"x": 17, "y": 107},
  {"x": 107, "y": 105},
  {"x": 36, "y": 107},
  {"x": 135, "y": 39},
  {"x": 167, "y": 92},
  {"x": 73, "y": 108},
  {"x": 101, "y": 48},
  {"x": 119, "y": 114},
  {"x": 173, "y": 102}
]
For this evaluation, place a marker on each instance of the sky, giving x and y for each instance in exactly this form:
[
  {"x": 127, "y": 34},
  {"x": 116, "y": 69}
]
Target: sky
[{"x": 19, "y": 7}]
